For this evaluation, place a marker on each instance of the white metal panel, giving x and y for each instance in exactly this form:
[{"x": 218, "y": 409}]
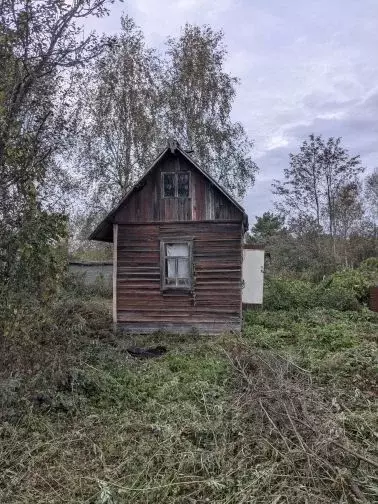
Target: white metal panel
[{"x": 253, "y": 276}]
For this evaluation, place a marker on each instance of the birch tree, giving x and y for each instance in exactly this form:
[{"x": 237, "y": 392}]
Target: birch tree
[
  {"x": 119, "y": 103},
  {"x": 134, "y": 98},
  {"x": 198, "y": 94}
]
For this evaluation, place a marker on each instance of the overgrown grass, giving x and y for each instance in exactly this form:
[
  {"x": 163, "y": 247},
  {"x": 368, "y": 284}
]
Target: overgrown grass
[
  {"x": 284, "y": 413},
  {"x": 345, "y": 290}
]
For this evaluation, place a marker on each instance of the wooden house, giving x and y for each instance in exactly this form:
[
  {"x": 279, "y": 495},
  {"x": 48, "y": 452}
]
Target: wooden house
[{"x": 177, "y": 239}]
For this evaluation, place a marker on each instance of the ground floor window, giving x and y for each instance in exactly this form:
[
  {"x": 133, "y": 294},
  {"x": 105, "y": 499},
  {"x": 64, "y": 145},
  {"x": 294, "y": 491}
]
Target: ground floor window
[{"x": 176, "y": 264}]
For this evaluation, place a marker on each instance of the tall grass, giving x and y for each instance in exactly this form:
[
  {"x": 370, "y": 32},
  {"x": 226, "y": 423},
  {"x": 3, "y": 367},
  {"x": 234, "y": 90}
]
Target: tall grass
[{"x": 284, "y": 413}]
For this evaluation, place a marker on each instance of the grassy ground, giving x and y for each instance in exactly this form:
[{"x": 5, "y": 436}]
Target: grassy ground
[{"x": 287, "y": 413}]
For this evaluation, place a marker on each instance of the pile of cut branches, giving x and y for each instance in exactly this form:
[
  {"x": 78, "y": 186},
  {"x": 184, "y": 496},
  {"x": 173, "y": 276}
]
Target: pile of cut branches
[{"x": 295, "y": 437}]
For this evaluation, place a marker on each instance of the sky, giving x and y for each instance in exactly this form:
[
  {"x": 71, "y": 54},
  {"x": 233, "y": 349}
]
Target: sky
[{"x": 305, "y": 66}]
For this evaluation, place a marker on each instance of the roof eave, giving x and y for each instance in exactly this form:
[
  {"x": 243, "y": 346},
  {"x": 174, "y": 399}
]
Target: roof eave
[
  {"x": 109, "y": 218},
  {"x": 99, "y": 231}
]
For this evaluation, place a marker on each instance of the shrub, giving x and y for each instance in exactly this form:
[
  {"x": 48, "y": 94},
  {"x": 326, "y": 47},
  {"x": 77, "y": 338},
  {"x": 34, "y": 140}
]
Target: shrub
[
  {"x": 75, "y": 283},
  {"x": 280, "y": 294},
  {"x": 357, "y": 281},
  {"x": 344, "y": 290},
  {"x": 336, "y": 297}
]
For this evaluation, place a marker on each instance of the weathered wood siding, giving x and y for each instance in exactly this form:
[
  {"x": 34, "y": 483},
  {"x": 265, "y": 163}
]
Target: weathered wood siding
[
  {"x": 373, "y": 298},
  {"x": 213, "y": 305},
  {"x": 147, "y": 205}
]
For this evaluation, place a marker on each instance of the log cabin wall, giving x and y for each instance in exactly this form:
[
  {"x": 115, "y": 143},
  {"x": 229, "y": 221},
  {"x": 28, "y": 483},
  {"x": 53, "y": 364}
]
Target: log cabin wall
[{"x": 213, "y": 304}]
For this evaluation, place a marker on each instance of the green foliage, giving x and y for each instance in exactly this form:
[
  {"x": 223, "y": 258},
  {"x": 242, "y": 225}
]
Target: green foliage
[
  {"x": 356, "y": 281},
  {"x": 311, "y": 186},
  {"x": 41, "y": 256},
  {"x": 334, "y": 296},
  {"x": 75, "y": 284},
  {"x": 347, "y": 289},
  {"x": 214, "y": 420},
  {"x": 38, "y": 51},
  {"x": 139, "y": 98},
  {"x": 198, "y": 94},
  {"x": 32, "y": 264},
  {"x": 330, "y": 223},
  {"x": 282, "y": 294},
  {"x": 93, "y": 252},
  {"x": 266, "y": 226},
  {"x": 320, "y": 337},
  {"x": 370, "y": 264}
]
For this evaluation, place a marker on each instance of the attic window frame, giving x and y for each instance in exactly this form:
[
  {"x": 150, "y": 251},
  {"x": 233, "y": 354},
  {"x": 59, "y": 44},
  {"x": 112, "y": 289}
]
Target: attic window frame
[
  {"x": 179, "y": 241},
  {"x": 175, "y": 175}
]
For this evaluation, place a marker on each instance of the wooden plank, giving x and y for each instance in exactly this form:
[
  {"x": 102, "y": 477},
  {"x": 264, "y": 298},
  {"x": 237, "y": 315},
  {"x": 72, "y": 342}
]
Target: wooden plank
[
  {"x": 179, "y": 328},
  {"x": 115, "y": 255}
]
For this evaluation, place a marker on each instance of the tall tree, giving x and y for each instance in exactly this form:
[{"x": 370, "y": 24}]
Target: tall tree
[
  {"x": 132, "y": 99},
  {"x": 312, "y": 184},
  {"x": 348, "y": 208},
  {"x": 371, "y": 194},
  {"x": 119, "y": 104},
  {"x": 266, "y": 226},
  {"x": 40, "y": 44},
  {"x": 198, "y": 96}
]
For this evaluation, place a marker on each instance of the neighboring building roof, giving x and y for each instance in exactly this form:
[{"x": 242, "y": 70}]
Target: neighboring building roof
[{"x": 104, "y": 230}]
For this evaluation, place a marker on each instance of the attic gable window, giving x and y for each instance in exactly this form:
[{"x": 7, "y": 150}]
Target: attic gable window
[
  {"x": 176, "y": 185},
  {"x": 176, "y": 264}
]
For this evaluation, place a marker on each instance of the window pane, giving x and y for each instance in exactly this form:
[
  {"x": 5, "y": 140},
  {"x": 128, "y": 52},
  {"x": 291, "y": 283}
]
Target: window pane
[
  {"x": 183, "y": 185},
  {"x": 182, "y": 268},
  {"x": 177, "y": 250},
  {"x": 183, "y": 281},
  {"x": 171, "y": 268},
  {"x": 177, "y": 268},
  {"x": 169, "y": 185}
]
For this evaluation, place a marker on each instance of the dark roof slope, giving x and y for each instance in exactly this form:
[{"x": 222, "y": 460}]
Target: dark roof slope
[{"x": 104, "y": 231}]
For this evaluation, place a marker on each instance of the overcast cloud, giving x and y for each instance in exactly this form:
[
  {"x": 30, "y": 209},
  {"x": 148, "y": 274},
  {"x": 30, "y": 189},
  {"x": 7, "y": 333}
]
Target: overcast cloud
[{"x": 305, "y": 66}]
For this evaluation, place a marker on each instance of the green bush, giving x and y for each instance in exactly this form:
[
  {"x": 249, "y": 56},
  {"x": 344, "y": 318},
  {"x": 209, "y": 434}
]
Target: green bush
[
  {"x": 281, "y": 294},
  {"x": 336, "y": 297},
  {"x": 344, "y": 290},
  {"x": 357, "y": 281},
  {"x": 75, "y": 284}
]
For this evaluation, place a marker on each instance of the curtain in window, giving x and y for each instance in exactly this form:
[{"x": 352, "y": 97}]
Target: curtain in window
[
  {"x": 177, "y": 260},
  {"x": 177, "y": 250}
]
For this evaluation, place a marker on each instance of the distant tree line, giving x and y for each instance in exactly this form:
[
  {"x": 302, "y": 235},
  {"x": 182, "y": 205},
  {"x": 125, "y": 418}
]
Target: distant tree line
[{"x": 326, "y": 213}]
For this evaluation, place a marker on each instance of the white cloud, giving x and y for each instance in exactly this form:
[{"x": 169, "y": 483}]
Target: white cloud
[{"x": 276, "y": 142}]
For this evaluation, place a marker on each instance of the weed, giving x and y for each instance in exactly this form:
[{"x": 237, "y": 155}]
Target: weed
[
  {"x": 284, "y": 413},
  {"x": 344, "y": 290}
]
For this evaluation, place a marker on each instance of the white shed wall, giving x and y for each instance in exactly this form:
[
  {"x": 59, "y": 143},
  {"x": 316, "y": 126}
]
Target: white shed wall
[{"x": 253, "y": 276}]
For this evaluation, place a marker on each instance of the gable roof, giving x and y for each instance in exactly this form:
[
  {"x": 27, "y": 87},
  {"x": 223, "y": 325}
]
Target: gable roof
[{"x": 104, "y": 229}]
